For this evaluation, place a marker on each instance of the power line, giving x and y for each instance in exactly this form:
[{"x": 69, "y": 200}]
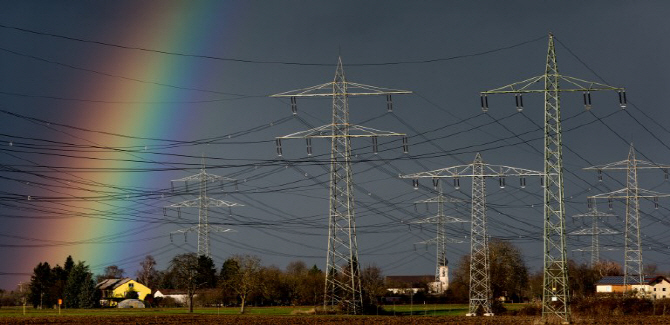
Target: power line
[{"x": 239, "y": 60}]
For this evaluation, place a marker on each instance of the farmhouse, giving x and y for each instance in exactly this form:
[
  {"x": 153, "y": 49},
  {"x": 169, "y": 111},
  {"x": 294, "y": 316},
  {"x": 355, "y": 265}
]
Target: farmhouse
[
  {"x": 658, "y": 287},
  {"x": 115, "y": 290}
]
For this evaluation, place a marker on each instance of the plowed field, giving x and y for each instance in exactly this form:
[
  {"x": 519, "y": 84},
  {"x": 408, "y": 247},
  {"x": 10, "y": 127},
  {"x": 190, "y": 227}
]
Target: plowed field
[{"x": 299, "y": 320}]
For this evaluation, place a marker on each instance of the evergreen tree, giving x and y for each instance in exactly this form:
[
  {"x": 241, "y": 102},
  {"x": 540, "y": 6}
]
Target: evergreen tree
[
  {"x": 206, "y": 272},
  {"x": 59, "y": 278},
  {"x": 229, "y": 271},
  {"x": 78, "y": 286},
  {"x": 69, "y": 264},
  {"x": 40, "y": 286},
  {"x": 87, "y": 292}
]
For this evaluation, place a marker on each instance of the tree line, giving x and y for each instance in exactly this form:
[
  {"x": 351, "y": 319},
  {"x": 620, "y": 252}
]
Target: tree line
[
  {"x": 511, "y": 279},
  {"x": 242, "y": 280}
]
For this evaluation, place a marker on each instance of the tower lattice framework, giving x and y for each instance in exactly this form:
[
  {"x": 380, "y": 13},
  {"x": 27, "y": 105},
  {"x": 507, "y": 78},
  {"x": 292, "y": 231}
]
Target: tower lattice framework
[
  {"x": 555, "y": 295},
  {"x": 594, "y": 231},
  {"x": 440, "y": 240},
  {"x": 342, "y": 283},
  {"x": 203, "y": 203},
  {"x": 633, "y": 266},
  {"x": 480, "y": 274}
]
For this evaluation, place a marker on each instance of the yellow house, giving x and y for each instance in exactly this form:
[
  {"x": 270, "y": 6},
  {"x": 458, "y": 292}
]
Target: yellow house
[{"x": 115, "y": 290}]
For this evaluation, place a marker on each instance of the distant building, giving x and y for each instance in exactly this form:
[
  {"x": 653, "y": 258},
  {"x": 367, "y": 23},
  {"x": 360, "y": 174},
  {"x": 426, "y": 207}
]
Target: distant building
[
  {"x": 179, "y": 296},
  {"x": 115, "y": 290},
  {"x": 439, "y": 287},
  {"x": 408, "y": 284},
  {"x": 404, "y": 284},
  {"x": 657, "y": 287}
]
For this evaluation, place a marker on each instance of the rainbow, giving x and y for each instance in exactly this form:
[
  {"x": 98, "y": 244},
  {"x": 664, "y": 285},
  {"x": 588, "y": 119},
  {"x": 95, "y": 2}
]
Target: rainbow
[{"x": 139, "y": 110}]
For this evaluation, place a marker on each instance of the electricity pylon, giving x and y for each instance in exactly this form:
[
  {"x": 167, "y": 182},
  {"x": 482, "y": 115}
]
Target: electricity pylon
[
  {"x": 595, "y": 231},
  {"x": 632, "y": 271},
  {"x": 203, "y": 203},
  {"x": 342, "y": 283},
  {"x": 555, "y": 296},
  {"x": 440, "y": 240},
  {"x": 480, "y": 274}
]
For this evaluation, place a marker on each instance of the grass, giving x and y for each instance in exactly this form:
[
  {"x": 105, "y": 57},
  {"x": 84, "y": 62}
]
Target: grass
[
  {"x": 405, "y": 310},
  {"x": 18, "y": 311},
  {"x": 438, "y": 309}
]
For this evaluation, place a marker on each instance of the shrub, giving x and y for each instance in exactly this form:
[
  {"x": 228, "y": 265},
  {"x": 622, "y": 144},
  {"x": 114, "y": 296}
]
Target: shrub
[{"x": 612, "y": 305}]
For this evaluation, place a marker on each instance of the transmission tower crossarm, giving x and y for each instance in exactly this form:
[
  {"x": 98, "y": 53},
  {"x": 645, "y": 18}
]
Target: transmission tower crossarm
[
  {"x": 598, "y": 231},
  {"x": 214, "y": 228},
  {"x": 196, "y": 228},
  {"x": 184, "y": 230},
  {"x": 206, "y": 202},
  {"x": 352, "y": 89},
  {"x": 330, "y": 131},
  {"x": 467, "y": 171},
  {"x": 438, "y": 199},
  {"x": 623, "y": 165},
  {"x": 624, "y": 194},
  {"x": 594, "y": 214},
  {"x": 526, "y": 86},
  {"x": 434, "y": 241},
  {"x": 203, "y": 176},
  {"x": 436, "y": 219},
  {"x": 590, "y": 249}
]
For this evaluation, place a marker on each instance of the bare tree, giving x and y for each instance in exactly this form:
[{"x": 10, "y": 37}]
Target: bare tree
[
  {"x": 509, "y": 274},
  {"x": 272, "y": 284},
  {"x": 147, "y": 274},
  {"x": 296, "y": 271},
  {"x": 372, "y": 283},
  {"x": 311, "y": 287},
  {"x": 184, "y": 269},
  {"x": 650, "y": 269},
  {"x": 608, "y": 268},
  {"x": 111, "y": 272},
  {"x": 247, "y": 280}
]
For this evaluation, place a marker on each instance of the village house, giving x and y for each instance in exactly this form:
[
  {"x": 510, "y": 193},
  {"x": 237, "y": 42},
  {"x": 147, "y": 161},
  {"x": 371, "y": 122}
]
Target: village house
[
  {"x": 115, "y": 290},
  {"x": 658, "y": 287}
]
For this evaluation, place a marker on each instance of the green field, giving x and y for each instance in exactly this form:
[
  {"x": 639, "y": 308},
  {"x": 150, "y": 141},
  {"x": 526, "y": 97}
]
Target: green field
[{"x": 399, "y": 310}]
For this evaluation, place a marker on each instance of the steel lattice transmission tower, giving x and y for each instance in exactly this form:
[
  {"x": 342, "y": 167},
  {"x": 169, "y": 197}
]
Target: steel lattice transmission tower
[
  {"x": 633, "y": 266},
  {"x": 555, "y": 296},
  {"x": 342, "y": 283},
  {"x": 440, "y": 240},
  {"x": 595, "y": 231},
  {"x": 480, "y": 282},
  {"x": 203, "y": 203}
]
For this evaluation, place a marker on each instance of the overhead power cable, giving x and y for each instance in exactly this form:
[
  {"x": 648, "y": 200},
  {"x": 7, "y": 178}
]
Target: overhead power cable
[{"x": 238, "y": 60}]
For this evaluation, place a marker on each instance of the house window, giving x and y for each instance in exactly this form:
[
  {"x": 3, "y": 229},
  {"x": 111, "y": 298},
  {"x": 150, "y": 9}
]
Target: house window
[{"x": 130, "y": 285}]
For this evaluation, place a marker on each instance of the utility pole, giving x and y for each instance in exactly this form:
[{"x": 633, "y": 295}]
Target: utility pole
[
  {"x": 203, "y": 203},
  {"x": 555, "y": 295},
  {"x": 342, "y": 283},
  {"x": 633, "y": 266},
  {"x": 480, "y": 274},
  {"x": 595, "y": 231},
  {"x": 440, "y": 240}
]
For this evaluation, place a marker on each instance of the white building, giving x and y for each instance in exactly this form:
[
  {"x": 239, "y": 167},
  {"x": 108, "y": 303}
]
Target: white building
[
  {"x": 657, "y": 287},
  {"x": 439, "y": 287}
]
